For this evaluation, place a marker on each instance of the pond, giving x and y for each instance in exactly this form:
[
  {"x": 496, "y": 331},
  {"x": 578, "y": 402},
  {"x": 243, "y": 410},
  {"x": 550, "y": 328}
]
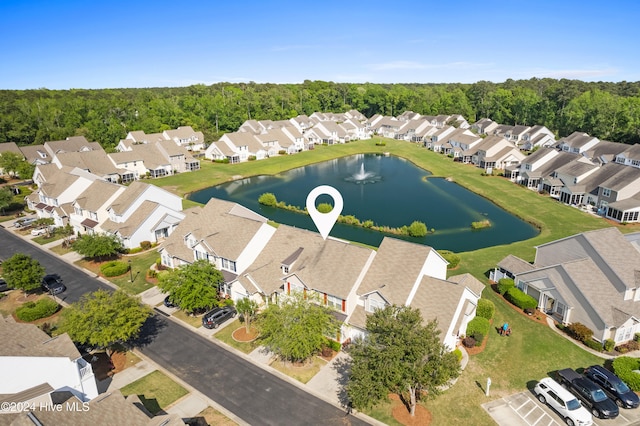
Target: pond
[{"x": 390, "y": 191}]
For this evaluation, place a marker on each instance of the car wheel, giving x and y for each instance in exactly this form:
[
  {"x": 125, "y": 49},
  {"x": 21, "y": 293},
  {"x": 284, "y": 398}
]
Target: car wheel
[
  {"x": 215, "y": 325},
  {"x": 542, "y": 399},
  {"x": 595, "y": 413},
  {"x": 569, "y": 421},
  {"x": 620, "y": 403},
  {"x": 233, "y": 315}
]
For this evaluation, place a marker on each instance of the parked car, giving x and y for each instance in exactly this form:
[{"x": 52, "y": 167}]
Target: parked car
[
  {"x": 52, "y": 284},
  {"x": 217, "y": 316},
  {"x": 613, "y": 386},
  {"x": 3, "y": 285},
  {"x": 39, "y": 231},
  {"x": 591, "y": 395},
  {"x": 27, "y": 221},
  {"x": 549, "y": 392}
]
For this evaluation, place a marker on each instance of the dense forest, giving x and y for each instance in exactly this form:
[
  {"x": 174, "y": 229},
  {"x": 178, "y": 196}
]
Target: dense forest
[{"x": 609, "y": 111}]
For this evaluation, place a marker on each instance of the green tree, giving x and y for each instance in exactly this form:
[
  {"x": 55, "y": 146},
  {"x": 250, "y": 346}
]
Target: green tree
[
  {"x": 324, "y": 207},
  {"x": 193, "y": 287},
  {"x": 402, "y": 355},
  {"x": 25, "y": 170},
  {"x": 44, "y": 221},
  {"x": 98, "y": 246},
  {"x": 296, "y": 328},
  {"x": 268, "y": 199},
  {"x": 6, "y": 198},
  {"x": 248, "y": 308},
  {"x": 10, "y": 162},
  {"x": 103, "y": 318},
  {"x": 417, "y": 229},
  {"x": 22, "y": 272}
]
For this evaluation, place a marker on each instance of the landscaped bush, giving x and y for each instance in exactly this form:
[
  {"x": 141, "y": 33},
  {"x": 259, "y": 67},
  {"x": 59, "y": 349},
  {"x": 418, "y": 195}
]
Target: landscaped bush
[
  {"x": 133, "y": 250},
  {"x": 628, "y": 347},
  {"x": 593, "y": 344},
  {"x": 505, "y": 284},
  {"x": 636, "y": 337},
  {"x": 609, "y": 344},
  {"x": 469, "y": 342},
  {"x": 579, "y": 331},
  {"x": 114, "y": 268},
  {"x": 623, "y": 367},
  {"x": 252, "y": 158},
  {"x": 479, "y": 337},
  {"x": 31, "y": 311},
  {"x": 145, "y": 245},
  {"x": 336, "y": 346},
  {"x": 451, "y": 257},
  {"x": 478, "y": 325},
  {"x": 458, "y": 354},
  {"x": 520, "y": 298},
  {"x": 486, "y": 309}
]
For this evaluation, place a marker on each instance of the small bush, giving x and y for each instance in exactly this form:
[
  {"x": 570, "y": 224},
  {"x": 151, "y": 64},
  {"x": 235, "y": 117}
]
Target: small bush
[
  {"x": 628, "y": 347},
  {"x": 609, "y": 344},
  {"x": 636, "y": 337},
  {"x": 505, "y": 284},
  {"x": 324, "y": 207},
  {"x": 481, "y": 224},
  {"x": 31, "y": 311},
  {"x": 145, "y": 245},
  {"x": 449, "y": 256},
  {"x": 479, "y": 337},
  {"x": 152, "y": 273},
  {"x": 458, "y": 353},
  {"x": 486, "y": 309},
  {"x": 593, "y": 344},
  {"x": 336, "y": 346},
  {"x": 252, "y": 158},
  {"x": 469, "y": 342},
  {"x": 133, "y": 250},
  {"x": 417, "y": 229},
  {"x": 623, "y": 367},
  {"x": 223, "y": 161},
  {"x": 114, "y": 268},
  {"x": 579, "y": 331},
  {"x": 520, "y": 299},
  {"x": 381, "y": 143},
  {"x": 268, "y": 199},
  {"x": 478, "y": 325},
  {"x": 282, "y": 152}
]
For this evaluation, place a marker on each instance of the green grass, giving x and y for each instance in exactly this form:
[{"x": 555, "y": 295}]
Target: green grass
[
  {"x": 156, "y": 391},
  {"x": 193, "y": 321},
  {"x": 140, "y": 263},
  {"x": 224, "y": 335},
  {"x": 42, "y": 239},
  {"x": 59, "y": 250},
  {"x": 302, "y": 374}
]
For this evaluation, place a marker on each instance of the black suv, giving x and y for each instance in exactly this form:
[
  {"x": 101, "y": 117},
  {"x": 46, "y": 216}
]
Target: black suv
[
  {"x": 589, "y": 393},
  {"x": 613, "y": 386},
  {"x": 3, "y": 285},
  {"x": 217, "y": 316},
  {"x": 52, "y": 284}
]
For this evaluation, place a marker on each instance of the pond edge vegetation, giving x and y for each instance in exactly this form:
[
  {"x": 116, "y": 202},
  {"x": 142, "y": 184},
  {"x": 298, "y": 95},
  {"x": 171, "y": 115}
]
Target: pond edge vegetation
[{"x": 416, "y": 229}]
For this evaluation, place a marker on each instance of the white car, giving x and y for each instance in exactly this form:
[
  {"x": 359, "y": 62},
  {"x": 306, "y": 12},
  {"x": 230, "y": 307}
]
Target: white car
[
  {"x": 549, "y": 392},
  {"x": 39, "y": 231}
]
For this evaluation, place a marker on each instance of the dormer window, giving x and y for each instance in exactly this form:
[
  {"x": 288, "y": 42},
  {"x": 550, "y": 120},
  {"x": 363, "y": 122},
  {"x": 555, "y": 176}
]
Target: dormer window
[{"x": 285, "y": 269}]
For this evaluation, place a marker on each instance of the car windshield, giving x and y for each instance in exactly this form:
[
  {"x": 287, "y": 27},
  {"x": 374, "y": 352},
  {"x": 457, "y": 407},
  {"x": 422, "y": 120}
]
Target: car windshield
[
  {"x": 598, "y": 395},
  {"x": 621, "y": 387},
  {"x": 573, "y": 404}
]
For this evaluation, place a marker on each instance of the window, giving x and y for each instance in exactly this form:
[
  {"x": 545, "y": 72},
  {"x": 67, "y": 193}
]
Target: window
[
  {"x": 606, "y": 192},
  {"x": 373, "y": 304},
  {"x": 334, "y": 302},
  {"x": 201, "y": 255}
]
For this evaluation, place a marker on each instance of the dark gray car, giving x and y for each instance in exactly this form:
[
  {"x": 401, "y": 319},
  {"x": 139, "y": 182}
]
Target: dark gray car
[
  {"x": 217, "y": 316},
  {"x": 613, "y": 386}
]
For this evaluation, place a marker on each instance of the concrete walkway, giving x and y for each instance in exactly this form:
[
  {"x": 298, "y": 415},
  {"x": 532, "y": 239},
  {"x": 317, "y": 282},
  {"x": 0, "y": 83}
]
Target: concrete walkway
[{"x": 330, "y": 380}]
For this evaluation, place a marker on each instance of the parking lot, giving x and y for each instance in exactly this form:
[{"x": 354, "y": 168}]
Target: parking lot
[{"x": 524, "y": 409}]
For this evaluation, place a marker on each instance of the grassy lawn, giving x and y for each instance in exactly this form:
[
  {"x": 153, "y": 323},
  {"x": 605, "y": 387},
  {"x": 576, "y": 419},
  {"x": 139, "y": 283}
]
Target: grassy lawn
[
  {"x": 224, "y": 335},
  {"x": 59, "y": 250},
  {"x": 193, "y": 321},
  {"x": 302, "y": 374},
  {"x": 42, "y": 239},
  {"x": 156, "y": 391},
  {"x": 214, "y": 417},
  {"x": 513, "y": 363},
  {"x": 139, "y": 265}
]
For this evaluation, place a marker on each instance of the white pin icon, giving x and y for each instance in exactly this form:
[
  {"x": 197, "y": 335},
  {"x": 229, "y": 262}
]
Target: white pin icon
[{"x": 324, "y": 221}]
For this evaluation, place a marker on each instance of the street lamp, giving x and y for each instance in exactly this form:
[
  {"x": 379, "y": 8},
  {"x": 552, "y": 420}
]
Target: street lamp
[{"x": 130, "y": 271}]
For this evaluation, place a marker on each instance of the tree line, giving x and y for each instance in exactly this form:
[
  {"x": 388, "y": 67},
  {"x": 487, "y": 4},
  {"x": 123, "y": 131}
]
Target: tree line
[{"x": 609, "y": 111}]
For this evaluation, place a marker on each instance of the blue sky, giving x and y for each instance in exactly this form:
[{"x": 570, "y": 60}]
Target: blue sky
[{"x": 67, "y": 44}]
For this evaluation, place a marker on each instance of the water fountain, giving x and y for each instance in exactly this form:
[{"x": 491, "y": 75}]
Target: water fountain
[{"x": 363, "y": 176}]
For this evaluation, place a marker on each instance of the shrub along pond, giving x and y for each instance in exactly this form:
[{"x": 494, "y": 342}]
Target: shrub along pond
[{"x": 387, "y": 190}]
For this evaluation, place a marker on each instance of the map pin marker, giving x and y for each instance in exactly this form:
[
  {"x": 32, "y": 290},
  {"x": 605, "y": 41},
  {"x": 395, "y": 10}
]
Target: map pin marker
[{"x": 324, "y": 221}]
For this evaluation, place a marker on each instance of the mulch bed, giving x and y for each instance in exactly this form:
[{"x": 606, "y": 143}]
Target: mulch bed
[
  {"x": 241, "y": 335},
  {"x": 400, "y": 412},
  {"x": 537, "y": 316}
]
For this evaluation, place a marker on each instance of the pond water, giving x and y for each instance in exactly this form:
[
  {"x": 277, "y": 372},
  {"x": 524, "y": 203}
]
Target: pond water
[{"x": 388, "y": 190}]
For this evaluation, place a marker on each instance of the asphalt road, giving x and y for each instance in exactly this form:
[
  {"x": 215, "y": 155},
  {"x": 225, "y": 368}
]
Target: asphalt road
[{"x": 243, "y": 388}]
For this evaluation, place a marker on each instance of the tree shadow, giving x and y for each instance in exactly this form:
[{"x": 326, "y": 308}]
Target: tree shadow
[
  {"x": 148, "y": 332},
  {"x": 342, "y": 366}
]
